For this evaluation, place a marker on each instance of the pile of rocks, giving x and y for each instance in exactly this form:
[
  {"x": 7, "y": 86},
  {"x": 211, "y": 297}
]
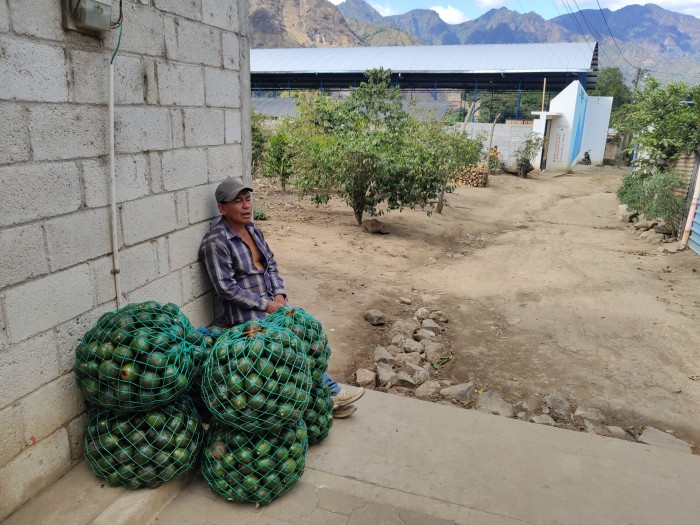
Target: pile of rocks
[
  {"x": 651, "y": 231},
  {"x": 411, "y": 365}
]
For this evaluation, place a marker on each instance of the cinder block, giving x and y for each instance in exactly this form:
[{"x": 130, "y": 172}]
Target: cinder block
[
  {"x": 67, "y": 132},
  {"x": 22, "y": 254},
  {"x": 37, "y": 18},
  {"x": 33, "y": 470},
  {"x": 148, "y": 218},
  {"x": 70, "y": 333},
  {"x": 204, "y": 127},
  {"x": 192, "y": 42},
  {"x": 177, "y": 120},
  {"x": 32, "y": 72},
  {"x": 199, "y": 282},
  {"x": 91, "y": 78},
  {"x": 168, "y": 289},
  {"x": 180, "y": 84},
  {"x": 184, "y": 245},
  {"x": 37, "y": 191},
  {"x": 221, "y": 13},
  {"x": 27, "y": 366},
  {"x": 222, "y": 88},
  {"x": 163, "y": 256},
  {"x": 4, "y": 17},
  {"x": 186, "y": 8},
  {"x": 14, "y": 133},
  {"x": 103, "y": 281},
  {"x": 232, "y": 125},
  {"x": 50, "y": 407},
  {"x": 201, "y": 203},
  {"x": 183, "y": 168},
  {"x": 139, "y": 265},
  {"x": 76, "y": 433},
  {"x": 151, "y": 84},
  {"x": 225, "y": 162},
  {"x": 182, "y": 211},
  {"x": 10, "y": 434},
  {"x": 155, "y": 164},
  {"x": 140, "y": 129},
  {"x": 78, "y": 237},
  {"x": 200, "y": 311},
  {"x": 44, "y": 303},
  {"x": 4, "y": 343},
  {"x": 131, "y": 179},
  {"x": 143, "y": 33},
  {"x": 231, "y": 52}
]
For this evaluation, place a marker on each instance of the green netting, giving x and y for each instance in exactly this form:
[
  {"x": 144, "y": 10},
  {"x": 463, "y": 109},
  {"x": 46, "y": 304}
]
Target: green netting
[
  {"x": 254, "y": 468},
  {"x": 143, "y": 448},
  {"x": 310, "y": 331},
  {"x": 319, "y": 414},
  {"x": 139, "y": 357},
  {"x": 257, "y": 378}
]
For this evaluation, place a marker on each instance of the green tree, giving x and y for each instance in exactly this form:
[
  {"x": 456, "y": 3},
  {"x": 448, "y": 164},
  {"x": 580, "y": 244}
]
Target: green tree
[
  {"x": 611, "y": 83},
  {"x": 259, "y": 140}
]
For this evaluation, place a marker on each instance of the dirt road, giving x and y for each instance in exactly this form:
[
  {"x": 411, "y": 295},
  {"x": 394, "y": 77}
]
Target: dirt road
[{"x": 547, "y": 292}]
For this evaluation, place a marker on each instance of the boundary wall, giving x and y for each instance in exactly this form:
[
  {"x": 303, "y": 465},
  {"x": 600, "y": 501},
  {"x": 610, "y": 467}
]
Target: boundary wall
[{"x": 182, "y": 118}]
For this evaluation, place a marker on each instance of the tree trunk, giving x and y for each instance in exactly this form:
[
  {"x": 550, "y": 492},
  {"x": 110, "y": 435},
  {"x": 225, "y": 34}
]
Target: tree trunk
[
  {"x": 441, "y": 200},
  {"x": 358, "y": 216}
]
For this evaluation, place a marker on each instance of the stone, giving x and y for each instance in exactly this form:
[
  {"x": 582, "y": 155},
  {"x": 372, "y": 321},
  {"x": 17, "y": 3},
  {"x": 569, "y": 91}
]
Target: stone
[
  {"x": 654, "y": 238},
  {"x": 594, "y": 427},
  {"x": 398, "y": 340},
  {"x": 422, "y": 334},
  {"x": 374, "y": 226},
  {"x": 405, "y": 380},
  {"x": 411, "y": 357},
  {"x": 407, "y": 327},
  {"x": 663, "y": 228},
  {"x": 521, "y": 415},
  {"x": 386, "y": 377},
  {"x": 656, "y": 437},
  {"x": 420, "y": 376},
  {"x": 394, "y": 350},
  {"x": 410, "y": 346},
  {"x": 428, "y": 390},
  {"x": 405, "y": 300},
  {"x": 439, "y": 316},
  {"x": 381, "y": 355},
  {"x": 422, "y": 313},
  {"x": 402, "y": 391},
  {"x": 591, "y": 414},
  {"x": 492, "y": 403},
  {"x": 429, "y": 324},
  {"x": 462, "y": 392},
  {"x": 541, "y": 419},
  {"x": 433, "y": 351},
  {"x": 365, "y": 378},
  {"x": 558, "y": 406},
  {"x": 617, "y": 432},
  {"x": 375, "y": 317}
]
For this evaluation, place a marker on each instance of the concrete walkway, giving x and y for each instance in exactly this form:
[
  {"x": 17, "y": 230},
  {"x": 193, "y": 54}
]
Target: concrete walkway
[{"x": 406, "y": 461}]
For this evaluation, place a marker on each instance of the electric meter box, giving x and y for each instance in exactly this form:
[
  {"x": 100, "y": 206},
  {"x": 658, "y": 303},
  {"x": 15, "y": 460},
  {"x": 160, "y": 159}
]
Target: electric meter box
[{"x": 94, "y": 15}]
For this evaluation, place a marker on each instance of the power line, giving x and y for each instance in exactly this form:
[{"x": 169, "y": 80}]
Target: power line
[{"x": 613, "y": 36}]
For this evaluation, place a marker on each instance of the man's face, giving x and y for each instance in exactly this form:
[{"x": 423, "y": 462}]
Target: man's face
[{"x": 239, "y": 211}]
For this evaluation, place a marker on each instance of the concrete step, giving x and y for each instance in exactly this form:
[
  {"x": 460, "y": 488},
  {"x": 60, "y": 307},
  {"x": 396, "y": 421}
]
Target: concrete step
[{"x": 81, "y": 498}]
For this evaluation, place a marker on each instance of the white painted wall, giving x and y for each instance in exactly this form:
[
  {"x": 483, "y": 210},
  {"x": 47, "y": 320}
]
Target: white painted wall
[
  {"x": 595, "y": 132},
  {"x": 507, "y": 137},
  {"x": 182, "y": 125}
]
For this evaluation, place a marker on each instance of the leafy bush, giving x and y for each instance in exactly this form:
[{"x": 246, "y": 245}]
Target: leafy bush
[
  {"x": 259, "y": 214},
  {"x": 655, "y": 195}
]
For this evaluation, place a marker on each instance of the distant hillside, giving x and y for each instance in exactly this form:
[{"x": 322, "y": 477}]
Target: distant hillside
[{"x": 649, "y": 36}]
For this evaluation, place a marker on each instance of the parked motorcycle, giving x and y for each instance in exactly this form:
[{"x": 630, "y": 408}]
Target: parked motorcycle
[{"x": 586, "y": 159}]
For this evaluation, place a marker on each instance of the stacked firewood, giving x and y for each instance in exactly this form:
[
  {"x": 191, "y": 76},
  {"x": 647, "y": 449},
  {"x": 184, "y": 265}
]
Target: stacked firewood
[{"x": 475, "y": 176}]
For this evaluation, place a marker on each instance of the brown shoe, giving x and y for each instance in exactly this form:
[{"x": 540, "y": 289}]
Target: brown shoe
[
  {"x": 347, "y": 395},
  {"x": 344, "y": 411}
]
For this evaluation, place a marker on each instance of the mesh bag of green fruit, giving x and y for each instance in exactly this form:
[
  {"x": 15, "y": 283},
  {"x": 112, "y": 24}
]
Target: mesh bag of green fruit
[
  {"x": 311, "y": 332},
  {"x": 139, "y": 357},
  {"x": 254, "y": 468},
  {"x": 143, "y": 449},
  {"x": 318, "y": 416},
  {"x": 257, "y": 378}
]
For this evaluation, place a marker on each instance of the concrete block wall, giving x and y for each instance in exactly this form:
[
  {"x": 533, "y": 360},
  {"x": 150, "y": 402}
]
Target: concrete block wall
[
  {"x": 507, "y": 137},
  {"x": 182, "y": 125}
]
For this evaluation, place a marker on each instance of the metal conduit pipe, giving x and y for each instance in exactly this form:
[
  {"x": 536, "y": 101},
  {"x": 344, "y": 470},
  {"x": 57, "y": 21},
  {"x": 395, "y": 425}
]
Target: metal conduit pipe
[
  {"x": 113, "y": 192},
  {"x": 691, "y": 213}
]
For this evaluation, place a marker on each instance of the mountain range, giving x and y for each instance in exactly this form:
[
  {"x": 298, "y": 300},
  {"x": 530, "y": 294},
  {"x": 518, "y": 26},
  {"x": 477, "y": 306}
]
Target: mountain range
[{"x": 648, "y": 37}]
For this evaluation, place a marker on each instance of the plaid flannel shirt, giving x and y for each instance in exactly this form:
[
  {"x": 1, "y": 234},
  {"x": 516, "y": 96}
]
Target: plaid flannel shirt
[{"x": 243, "y": 289}]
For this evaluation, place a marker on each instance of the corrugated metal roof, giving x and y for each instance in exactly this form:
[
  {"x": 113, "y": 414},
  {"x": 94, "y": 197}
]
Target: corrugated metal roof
[{"x": 482, "y": 58}]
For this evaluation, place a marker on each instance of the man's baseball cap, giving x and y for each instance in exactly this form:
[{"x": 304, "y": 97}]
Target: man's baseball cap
[{"x": 229, "y": 190}]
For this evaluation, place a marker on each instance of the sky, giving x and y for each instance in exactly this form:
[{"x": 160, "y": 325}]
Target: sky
[{"x": 457, "y": 11}]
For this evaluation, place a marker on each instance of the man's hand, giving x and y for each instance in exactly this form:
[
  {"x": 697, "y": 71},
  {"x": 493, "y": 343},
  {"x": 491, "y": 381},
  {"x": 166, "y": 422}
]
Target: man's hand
[
  {"x": 274, "y": 305},
  {"x": 282, "y": 299}
]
